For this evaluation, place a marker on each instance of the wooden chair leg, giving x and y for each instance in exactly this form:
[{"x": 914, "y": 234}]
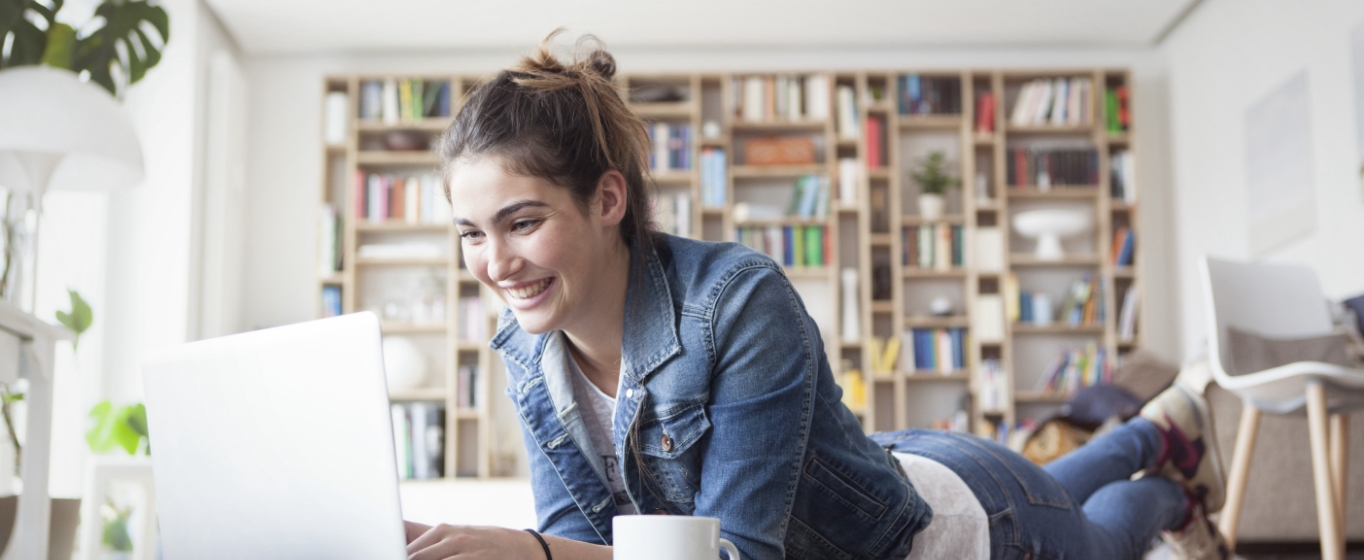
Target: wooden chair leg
[
  {"x": 1240, "y": 473},
  {"x": 1327, "y": 522},
  {"x": 1340, "y": 459}
]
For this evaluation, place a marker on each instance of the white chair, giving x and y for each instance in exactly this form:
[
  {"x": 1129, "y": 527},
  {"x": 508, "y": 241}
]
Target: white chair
[{"x": 1283, "y": 302}]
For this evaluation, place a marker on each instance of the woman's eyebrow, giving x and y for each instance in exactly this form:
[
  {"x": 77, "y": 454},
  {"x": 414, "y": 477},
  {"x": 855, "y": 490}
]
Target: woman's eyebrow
[{"x": 506, "y": 211}]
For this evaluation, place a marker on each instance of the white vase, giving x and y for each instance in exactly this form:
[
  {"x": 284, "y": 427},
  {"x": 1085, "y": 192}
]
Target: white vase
[{"x": 931, "y": 206}]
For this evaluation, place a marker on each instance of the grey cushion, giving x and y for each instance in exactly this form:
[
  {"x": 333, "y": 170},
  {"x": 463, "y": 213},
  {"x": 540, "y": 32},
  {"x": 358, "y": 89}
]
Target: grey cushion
[{"x": 1251, "y": 352}]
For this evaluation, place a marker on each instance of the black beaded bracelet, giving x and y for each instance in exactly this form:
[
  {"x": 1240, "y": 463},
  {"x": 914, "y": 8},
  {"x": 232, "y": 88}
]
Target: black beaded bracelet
[{"x": 543, "y": 544}]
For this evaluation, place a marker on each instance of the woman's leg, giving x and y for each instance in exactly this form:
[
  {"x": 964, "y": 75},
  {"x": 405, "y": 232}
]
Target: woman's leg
[
  {"x": 1113, "y": 457},
  {"x": 1031, "y": 513}
]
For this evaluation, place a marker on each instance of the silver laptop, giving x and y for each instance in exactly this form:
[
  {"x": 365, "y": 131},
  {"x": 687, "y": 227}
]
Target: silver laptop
[{"x": 275, "y": 444}]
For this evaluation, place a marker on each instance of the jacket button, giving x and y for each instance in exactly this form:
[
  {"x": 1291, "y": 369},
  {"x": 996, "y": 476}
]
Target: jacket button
[{"x": 667, "y": 444}]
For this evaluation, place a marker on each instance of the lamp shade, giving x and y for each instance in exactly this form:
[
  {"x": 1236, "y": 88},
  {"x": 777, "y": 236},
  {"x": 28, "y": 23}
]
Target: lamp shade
[{"x": 57, "y": 132}]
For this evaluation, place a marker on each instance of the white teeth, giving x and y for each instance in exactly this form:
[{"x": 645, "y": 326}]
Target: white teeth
[{"x": 529, "y": 291}]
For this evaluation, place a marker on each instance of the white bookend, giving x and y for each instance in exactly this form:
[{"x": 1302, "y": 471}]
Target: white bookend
[
  {"x": 989, "y": 252},
  {"x": 847, "y": 113},
  {"x": 851, "y": 330},
  {"x": 847, "y": 181},
  {"x": 390, "y": 101},
  {"x": 988, "y": 321},
  {"x": 753, "y": 98}
]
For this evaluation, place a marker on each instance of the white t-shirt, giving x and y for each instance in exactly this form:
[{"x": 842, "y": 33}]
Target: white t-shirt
[
  {"x": 959, "y": 529},
  {"x": 597, "y": 410}
]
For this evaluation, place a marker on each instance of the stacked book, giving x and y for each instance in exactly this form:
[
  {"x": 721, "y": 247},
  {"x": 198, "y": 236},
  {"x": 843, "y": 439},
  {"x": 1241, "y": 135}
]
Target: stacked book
[
  {"x": 412, "y": 99},
  {"x": 414, "y": 199},
  {"x": 929, "y": 95},
  {"x": 1046, "y": 167},
  {"x": 792, "y": 246},
  {"x": 933, "y": 246},
  {"x": 1076, "y": 369},
  {"x": 1124, "y": 243},
  {"x": 419, "y": 439},
  {"x": 1053, "y": 102},
  {"x": 942, "y": 350},
  {"x": 786, "y": 97},
  {"x": 672, "y": 146},
  {"x": 1083, "y": 305}
]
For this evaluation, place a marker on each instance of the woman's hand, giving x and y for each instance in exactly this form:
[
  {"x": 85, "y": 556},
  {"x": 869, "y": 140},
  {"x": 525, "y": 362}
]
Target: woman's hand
[{"x": 472, "y": 543}]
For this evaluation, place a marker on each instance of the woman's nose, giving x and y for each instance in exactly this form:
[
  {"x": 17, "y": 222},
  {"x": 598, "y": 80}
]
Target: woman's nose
[{"x": 502, "y": 260}]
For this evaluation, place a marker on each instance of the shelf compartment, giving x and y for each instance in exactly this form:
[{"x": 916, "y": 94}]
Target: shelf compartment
[
  {"x": 779, "y": 171},
  {"x": 1025, "y": 328}
]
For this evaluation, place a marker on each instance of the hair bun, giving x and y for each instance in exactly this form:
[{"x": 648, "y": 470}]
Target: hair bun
[{"x": 602, "y": 63}]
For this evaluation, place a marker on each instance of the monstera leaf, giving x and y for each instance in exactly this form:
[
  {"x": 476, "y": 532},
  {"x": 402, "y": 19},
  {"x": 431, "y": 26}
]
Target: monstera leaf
[
  {"x": 29, "y": 40},
  {"x": 98, "y": 52},
  {"x": 80, "y": 317}
]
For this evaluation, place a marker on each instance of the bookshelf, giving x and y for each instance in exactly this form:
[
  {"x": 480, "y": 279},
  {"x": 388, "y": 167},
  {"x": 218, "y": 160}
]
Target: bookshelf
[
  {"x": 735, "y": 149},
  {"x": 394, "y": 252}
]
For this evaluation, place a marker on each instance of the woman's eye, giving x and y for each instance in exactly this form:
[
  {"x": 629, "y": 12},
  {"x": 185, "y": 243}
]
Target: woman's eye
[
  {"x": 471, "y": 235},
  {"x": 524, "y": 225}
]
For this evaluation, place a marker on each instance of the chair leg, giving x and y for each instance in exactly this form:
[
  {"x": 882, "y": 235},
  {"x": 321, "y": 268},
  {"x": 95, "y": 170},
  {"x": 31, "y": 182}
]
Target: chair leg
[
  {"x": 1327, "y": 521},
  {"x": 1340, "y": 459},
  {"x": 1240, "y": 473}
]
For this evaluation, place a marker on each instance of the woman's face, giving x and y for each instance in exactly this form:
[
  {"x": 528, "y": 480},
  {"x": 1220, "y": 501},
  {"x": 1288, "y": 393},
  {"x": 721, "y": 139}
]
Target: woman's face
[{"x": 530, "y": 242}]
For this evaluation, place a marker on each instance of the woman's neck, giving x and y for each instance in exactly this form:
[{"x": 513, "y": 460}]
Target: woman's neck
[{"x": 595, "y": 343}]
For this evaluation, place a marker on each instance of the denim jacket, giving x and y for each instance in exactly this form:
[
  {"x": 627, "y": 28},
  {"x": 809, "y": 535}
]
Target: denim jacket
[{"x": 726, "y": 390}]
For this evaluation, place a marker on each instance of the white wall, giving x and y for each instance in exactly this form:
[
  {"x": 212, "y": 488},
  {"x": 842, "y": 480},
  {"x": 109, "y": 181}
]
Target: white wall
[{"x": 1226, "y": 57}]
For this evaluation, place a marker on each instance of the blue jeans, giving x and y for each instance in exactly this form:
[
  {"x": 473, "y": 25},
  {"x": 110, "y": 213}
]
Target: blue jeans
[{"x": 1081, "y": 506}]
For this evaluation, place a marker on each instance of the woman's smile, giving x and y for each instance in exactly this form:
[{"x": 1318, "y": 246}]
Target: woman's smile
[{"x": 525, "y": 295}]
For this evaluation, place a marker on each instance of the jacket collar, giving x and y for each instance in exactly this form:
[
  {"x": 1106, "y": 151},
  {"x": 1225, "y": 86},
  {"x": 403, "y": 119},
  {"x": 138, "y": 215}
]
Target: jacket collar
[{"x": 650, "y": 330}]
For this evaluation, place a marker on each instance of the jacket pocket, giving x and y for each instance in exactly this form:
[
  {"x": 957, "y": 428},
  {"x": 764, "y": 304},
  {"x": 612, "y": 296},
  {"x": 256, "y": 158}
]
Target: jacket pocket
[{"x": 667, "y": 443}]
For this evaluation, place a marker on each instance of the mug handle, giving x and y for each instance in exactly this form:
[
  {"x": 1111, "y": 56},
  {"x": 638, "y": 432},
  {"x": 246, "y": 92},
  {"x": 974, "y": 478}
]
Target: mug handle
[{"x": 730, "y": 548}]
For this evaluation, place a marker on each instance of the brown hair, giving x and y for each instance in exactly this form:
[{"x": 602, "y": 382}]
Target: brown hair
[{"x": 562, "y": 122}]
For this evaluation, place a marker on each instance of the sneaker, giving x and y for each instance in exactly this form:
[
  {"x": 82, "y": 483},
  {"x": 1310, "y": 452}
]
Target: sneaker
[
  {"x": 1189, "y": 445},
  {"x": 1199, "y": 539}
]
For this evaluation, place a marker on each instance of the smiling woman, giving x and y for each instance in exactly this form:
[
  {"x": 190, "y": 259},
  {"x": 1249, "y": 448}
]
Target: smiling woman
[{"x": 656, "y": 374}]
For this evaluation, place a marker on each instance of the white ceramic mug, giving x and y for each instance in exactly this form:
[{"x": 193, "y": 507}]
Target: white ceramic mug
[{"x": 668, "y": 537}]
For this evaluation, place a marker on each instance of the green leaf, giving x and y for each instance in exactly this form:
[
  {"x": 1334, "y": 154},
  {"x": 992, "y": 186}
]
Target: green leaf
[
  {"x": 98, "y": 52},
  {"x": 99, "y": 431},
  {"x": 61, "y": 41},
  {"x": 116, "y": 534},
  {"x": 137, "y": 419},
  {"x": 125, "y": 434},
  {"x": 29, "y": 40},
  {"x": 79, "y": 319}
]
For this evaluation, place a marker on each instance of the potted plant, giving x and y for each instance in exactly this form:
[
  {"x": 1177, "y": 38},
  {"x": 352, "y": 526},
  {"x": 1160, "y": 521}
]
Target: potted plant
[{"x": 933, "y": 184}]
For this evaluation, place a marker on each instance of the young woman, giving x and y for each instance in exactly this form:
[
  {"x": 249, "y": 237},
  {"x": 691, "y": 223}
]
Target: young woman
[{"x": 659, "y": 375}]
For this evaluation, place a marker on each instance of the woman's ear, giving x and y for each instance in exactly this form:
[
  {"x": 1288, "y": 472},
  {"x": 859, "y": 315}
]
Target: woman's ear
[{"x": 613, "y": 198}]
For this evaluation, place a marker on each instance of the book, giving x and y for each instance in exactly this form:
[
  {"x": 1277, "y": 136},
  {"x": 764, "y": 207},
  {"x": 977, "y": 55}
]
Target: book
[
  {"x": 987, "y": 319},
  {"x": 847, "y": 113},
  {"x": 817, "y": 97},
  {"x": 331, "y": 301},
  {"x": 989, "y": 252},
  {"x": 985, "y": 113},
  {"x": 335, "y": 119},
  {"x": 1127, "y": 318},
  {"x": 329, "y": 237},
  {"x": 389, "y": 102},
  {"x": 875, "y": 147},
  {"x": 847, "y": 181},
  {"x": 402, "y": 439}
]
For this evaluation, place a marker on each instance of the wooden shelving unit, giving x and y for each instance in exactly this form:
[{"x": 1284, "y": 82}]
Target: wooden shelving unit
[
  {"x": 867, "y": 235},
  {"x": 370, "y": 283}
]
